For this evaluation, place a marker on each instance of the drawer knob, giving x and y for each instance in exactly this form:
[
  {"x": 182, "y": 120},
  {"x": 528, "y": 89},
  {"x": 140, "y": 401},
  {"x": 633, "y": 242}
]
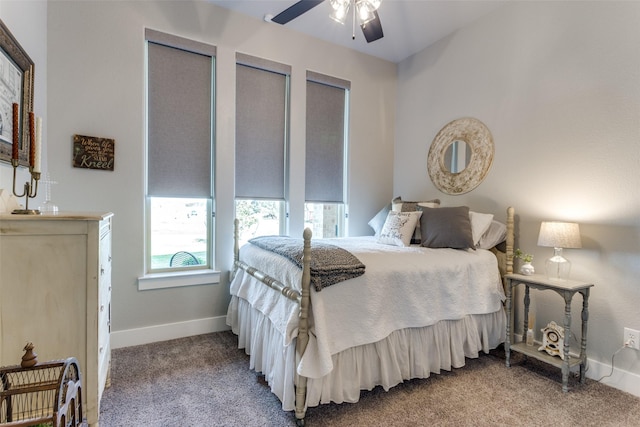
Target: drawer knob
[{"x": 102, "y": 307}]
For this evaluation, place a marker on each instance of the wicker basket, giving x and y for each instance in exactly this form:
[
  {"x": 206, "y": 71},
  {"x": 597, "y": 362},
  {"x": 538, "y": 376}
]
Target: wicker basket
[{"x": 47, "y": 394}]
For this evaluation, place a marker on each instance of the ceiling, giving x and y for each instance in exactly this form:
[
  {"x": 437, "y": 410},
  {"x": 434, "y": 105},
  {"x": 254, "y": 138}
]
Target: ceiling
[{"x": 409, "y": 25}]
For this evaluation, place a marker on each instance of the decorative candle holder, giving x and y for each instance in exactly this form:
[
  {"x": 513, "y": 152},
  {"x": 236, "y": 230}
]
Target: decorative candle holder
[{"x": 30, "y": 190}]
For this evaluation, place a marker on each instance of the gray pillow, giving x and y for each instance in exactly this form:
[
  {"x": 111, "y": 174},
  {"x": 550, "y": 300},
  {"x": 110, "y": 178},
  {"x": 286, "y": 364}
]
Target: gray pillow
[
  {"x": 377, "y": 222},
  {"x": 448, "y": 227}
]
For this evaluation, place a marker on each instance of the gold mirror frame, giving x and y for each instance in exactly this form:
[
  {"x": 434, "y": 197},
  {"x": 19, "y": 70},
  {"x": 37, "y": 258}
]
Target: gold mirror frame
[
  {"x": 15, "y": 61},
  {"x": 478, "y": 138}
]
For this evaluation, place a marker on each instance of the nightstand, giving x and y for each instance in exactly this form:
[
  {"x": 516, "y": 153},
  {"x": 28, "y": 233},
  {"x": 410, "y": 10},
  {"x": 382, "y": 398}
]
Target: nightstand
[{"x": 566, "y": 289}]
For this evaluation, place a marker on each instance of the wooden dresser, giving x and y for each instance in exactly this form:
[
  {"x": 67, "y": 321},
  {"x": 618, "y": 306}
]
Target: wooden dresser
[{"x": 55, "y": 292}]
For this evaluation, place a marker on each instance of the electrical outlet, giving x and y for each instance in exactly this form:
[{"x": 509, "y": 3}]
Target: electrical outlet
[{"x": 631, "y": 338}]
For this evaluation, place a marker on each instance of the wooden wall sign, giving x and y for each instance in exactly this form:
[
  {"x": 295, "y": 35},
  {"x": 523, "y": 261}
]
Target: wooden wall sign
[{"x": 90, "y": 152}]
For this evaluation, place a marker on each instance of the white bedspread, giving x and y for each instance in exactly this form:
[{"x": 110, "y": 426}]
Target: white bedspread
[{"x": 402, "y": 287}]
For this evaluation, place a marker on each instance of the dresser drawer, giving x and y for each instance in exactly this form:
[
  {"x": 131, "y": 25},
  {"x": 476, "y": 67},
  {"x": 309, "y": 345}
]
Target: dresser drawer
[
  {"x": 104, "y": 327},
  {"x": 105, "y": 257},
  {"x": 104, "y": 320},
  {"x": 104, "y": 293},
  {"x": 104, "y": 363}
]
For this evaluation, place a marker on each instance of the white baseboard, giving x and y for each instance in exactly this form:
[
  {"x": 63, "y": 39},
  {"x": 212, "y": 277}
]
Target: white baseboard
[
  {"x": 620, "y": 379},
  {"x": 168, "y": 331}
]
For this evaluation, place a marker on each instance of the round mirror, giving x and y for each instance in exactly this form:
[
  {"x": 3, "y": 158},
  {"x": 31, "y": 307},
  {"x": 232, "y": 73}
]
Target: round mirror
[
  {"x": 460, "y": 156},
  {"x": 457, "y": 156}
]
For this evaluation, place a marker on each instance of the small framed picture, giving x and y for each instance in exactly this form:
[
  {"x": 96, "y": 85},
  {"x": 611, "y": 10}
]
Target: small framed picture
[{"x": 91, "y": 152}]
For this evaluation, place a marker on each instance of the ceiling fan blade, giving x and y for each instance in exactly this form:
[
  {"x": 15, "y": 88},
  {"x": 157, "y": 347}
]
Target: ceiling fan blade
[
  {"x": 372, "y": 30},
  {"x": 297, "y": 9}
]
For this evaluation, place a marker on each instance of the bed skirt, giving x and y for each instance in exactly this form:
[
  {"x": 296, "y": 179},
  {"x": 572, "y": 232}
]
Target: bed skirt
[{"x": 403, "y": 355}]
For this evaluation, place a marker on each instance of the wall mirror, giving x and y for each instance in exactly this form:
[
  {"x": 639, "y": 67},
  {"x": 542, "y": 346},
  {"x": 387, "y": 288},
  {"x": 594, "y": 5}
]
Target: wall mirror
[
  {"x": 457, "y": 156},
  {"x": 460, "y": 156},
  {"x": 16, "y": 82}
]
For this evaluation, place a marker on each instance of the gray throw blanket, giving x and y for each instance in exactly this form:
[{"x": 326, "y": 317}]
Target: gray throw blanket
[{"x": 330, "y": 264}]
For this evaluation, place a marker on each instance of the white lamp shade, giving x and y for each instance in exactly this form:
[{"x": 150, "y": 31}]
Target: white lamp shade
[{"x": 556, "y": 234}]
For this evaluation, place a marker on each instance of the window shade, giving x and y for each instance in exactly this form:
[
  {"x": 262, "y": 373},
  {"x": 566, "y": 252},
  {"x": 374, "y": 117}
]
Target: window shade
[
  {"x": 325, "y": 147},
  {"x": 180, "y": 87},
  {"x": 261, "y": 122}
]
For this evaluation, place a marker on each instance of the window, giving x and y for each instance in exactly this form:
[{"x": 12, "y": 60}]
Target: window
[
  {"x": 325, "y": 219},
  {"x": 179, "y": 230},
  {"x": 262, "y": 103},
  {"x": 179, "y": 187},
  {"x": 326, "y": 155},
  {"x": 259, "y": 218}
]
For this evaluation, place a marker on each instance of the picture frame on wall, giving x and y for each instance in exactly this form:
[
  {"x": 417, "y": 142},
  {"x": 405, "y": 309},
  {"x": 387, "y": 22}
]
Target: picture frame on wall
[{"x": 16, "y": 86}]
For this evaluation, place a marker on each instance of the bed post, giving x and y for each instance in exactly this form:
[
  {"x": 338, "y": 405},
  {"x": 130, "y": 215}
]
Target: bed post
[
  {"x": 510, "y": 238},
  {"x": 303, "y": 328}
]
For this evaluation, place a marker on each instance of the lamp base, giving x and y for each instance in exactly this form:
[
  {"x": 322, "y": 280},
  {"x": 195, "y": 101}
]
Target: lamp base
[{"x": 558, "y": 267}]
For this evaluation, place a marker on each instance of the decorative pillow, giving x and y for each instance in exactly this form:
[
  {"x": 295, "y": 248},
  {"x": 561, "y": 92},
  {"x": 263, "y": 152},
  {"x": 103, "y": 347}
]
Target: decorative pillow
[
  {"x": 496, "y": 234},
  {"x": 480, "y": 223},
  {"x": 398, "y": 228},
  {"x": 377, "y": 222},
  {"x": 448, "y": 227},
  {"x": 399, "y": 205}
]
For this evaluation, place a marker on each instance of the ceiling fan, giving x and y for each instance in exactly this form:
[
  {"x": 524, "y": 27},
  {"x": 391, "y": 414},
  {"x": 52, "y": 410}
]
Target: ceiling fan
[{"x": 364, "y": 11}]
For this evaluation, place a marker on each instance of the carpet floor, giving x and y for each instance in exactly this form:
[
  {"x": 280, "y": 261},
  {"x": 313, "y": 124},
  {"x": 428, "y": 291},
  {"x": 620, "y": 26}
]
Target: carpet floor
[{"x": 205, "y": 381}]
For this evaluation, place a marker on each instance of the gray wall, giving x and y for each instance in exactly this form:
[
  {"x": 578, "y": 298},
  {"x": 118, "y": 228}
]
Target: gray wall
[
  {"x": 96, "y": 87},
  {"x": 557, "y": 83}
]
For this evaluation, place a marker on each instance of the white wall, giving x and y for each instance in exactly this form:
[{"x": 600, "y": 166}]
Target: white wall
[
  {"x": 96, "y": 87},
  {"x": 27, "y": 21},
  {"x": 558, "y": 85}
]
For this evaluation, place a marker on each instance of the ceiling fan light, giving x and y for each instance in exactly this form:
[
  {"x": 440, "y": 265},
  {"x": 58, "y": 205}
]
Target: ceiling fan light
[
  {"x": 364, "y": 13},
  {"x": 374, "y": 4},
  {"x": 340, "y": 10},
  {"x": 340, "y": 4},
  {"x": 339, "y": 15},
  {"x": 370, "y": 5}
]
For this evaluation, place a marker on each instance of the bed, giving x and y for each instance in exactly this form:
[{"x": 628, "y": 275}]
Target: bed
[{"x": 398, "y": 321}]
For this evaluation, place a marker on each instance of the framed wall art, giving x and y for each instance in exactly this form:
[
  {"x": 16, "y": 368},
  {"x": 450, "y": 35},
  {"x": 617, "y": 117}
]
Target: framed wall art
[
  {"x": 91, "y": 152},
  {"x": 16, "y": 86}
]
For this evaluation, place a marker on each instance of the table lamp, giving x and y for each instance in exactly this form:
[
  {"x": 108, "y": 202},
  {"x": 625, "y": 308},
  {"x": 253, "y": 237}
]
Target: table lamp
[{"x": 559, "y": 235}]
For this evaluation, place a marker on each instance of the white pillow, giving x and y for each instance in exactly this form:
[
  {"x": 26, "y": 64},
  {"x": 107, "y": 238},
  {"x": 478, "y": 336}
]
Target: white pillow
[
  {"x": 496, "y": 234},
  {"x": 377, "y": 222},
  {"x": 480, "y": 223},
  {"x": 398, "y": 228}
]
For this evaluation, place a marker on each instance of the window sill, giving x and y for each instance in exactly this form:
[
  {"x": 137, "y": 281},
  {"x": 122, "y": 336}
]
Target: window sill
[{"x": 178, "y": 279}]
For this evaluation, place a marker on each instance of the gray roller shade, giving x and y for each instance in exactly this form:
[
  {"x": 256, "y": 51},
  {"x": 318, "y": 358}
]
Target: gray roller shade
[
  {"x": 261, "y": 129},
  {"x": 180, "y": 88},
  {"x": 325, "y": 146}
]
